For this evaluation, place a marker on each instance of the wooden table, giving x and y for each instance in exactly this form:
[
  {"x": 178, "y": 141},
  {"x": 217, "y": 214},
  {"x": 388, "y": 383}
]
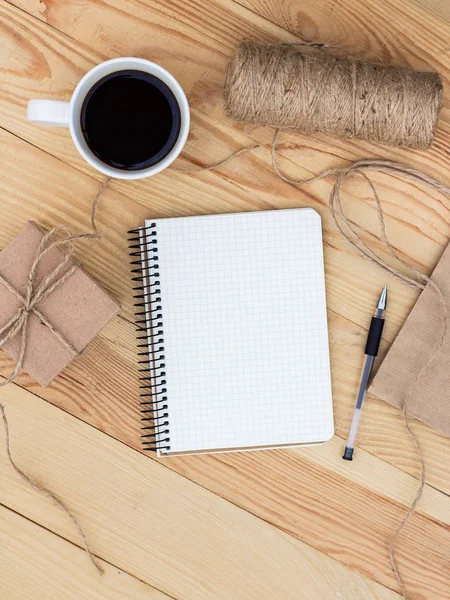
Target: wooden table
[{"x": 291, "y": 524}]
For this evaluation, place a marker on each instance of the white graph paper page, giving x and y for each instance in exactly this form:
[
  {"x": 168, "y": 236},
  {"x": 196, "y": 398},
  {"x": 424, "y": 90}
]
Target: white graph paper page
[{"x": 245, "y": 330}]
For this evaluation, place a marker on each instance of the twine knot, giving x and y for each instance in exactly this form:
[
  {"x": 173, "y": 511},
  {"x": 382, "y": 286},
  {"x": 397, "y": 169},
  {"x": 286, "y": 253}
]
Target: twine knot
[
  {"x": 34, "y": 295},
  {"x": 18, "y": 323}
]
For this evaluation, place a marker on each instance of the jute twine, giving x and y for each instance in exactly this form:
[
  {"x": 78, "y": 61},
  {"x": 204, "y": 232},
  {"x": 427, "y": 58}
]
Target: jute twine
[
  {"x": 314, "y": 89},
  {"x": 17, "y": 325}
]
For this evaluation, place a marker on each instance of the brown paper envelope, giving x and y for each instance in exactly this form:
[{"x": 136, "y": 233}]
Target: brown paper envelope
[{"x": 430, "y": 397}]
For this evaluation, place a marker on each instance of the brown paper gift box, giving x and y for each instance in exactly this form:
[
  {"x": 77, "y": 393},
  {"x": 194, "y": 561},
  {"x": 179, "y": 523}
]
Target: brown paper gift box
[
  {"x": 429, "y": 399},
  {"x": 77, "y": 309}
]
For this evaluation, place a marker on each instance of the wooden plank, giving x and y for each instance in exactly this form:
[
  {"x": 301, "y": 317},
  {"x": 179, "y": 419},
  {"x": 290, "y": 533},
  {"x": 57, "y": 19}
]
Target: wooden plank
[
  {"x": 36, "y": 563},
  {"x": 355, "y": 506},
  {"x": 156, "y": 525},
  {"x": 383, "y": 36}
]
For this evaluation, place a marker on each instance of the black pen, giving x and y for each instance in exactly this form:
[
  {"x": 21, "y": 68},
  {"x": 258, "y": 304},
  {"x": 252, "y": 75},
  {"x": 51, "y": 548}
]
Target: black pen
[{"x": 371, "y": 350}]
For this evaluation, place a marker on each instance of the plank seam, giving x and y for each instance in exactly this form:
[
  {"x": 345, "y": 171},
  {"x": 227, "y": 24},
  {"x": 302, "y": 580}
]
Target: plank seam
[{"x": 9, "y": 508}]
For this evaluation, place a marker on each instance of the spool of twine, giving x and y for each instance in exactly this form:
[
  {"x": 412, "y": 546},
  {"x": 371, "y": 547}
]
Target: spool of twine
[{"x": 311, "y": 89}]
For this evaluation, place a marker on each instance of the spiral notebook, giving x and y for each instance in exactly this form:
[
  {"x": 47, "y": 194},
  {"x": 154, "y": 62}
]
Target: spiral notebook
[{"x": 232, "y": 331}]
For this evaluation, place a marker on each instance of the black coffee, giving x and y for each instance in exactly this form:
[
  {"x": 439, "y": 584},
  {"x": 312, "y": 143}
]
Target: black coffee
[{"x": 130, "y": 120}]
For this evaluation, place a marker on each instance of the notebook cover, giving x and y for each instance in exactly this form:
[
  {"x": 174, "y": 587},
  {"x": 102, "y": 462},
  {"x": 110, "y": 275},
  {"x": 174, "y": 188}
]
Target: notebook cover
[
  {"x": 233, "y": 310},
  {"x": 411, "y": 350}
]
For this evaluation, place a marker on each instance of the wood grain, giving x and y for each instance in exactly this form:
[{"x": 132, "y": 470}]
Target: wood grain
[
  {"x": 158, "y": 526},
  {"x": 338, "y": 22},
  {"x": 348, "y": 514},
  {"x": 36, "y": 563}
]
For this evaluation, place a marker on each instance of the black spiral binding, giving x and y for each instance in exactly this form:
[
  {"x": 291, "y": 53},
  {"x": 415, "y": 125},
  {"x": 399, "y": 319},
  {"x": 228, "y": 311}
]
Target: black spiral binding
[{"x": 150, "y": 335}]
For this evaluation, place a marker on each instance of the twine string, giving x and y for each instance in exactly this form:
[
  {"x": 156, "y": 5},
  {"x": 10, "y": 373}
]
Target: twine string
[
  {"x": 218, "y": 164},
  {"x": 17, "y": 325},
  {"x": 47, "y": 493}
]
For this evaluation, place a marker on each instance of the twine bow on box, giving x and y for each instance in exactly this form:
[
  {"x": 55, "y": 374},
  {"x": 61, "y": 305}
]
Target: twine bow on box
[
  {"x": 34, "y": 295},
  {"x": 18, "y": 323}
]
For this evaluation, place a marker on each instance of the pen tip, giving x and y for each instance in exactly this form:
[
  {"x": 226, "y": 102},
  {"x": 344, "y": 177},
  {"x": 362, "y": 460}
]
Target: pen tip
[{"x": 383, "y": 299}]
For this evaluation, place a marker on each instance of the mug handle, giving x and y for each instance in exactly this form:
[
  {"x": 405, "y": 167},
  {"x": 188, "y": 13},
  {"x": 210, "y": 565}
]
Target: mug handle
[{"x": 49, "y": 112}]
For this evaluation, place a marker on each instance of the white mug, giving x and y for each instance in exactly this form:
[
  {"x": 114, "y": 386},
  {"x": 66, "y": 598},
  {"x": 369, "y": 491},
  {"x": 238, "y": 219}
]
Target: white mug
[{"x": 68, "y": 114}]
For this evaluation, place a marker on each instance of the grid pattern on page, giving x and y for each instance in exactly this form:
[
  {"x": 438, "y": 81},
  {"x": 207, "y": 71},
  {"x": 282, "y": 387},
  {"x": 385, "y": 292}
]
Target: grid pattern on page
[{"x": 245, "y": 330}]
